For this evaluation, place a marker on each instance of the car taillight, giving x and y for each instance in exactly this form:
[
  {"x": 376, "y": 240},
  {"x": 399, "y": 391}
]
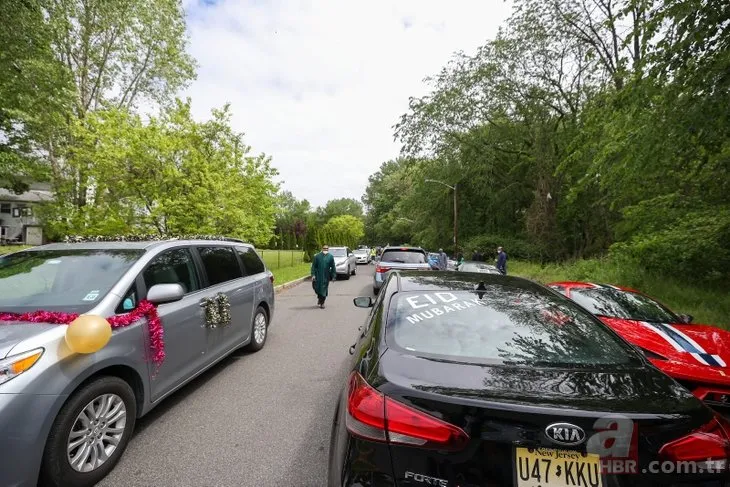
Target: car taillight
[
  {"x": 711, "y": 442},
  {"x": 373, "y": 416},
  {"x": 380, "y": 268}
]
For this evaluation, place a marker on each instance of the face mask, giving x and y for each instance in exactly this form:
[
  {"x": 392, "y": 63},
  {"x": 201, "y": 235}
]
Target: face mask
[{"x": 325, "y": 252}]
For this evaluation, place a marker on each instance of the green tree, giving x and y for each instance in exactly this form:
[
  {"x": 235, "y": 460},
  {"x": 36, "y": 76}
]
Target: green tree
[
  {"x": 180, "y": 177},
  {"x": 338, "y": 207},
  {"x": 35, "y": 92},
  {"x": 343, "y": 230}
]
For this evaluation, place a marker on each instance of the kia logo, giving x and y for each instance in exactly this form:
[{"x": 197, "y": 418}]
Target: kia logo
[{"x": 565, "y": 434}]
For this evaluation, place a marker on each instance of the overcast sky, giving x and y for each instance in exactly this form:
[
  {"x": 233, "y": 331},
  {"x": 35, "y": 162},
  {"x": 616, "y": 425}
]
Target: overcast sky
[{"x": 319, "y": 84}]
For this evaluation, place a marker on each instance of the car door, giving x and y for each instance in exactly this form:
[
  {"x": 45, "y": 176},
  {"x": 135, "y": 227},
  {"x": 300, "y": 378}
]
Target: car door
[
  {"x": 224, "y": 275},
  {"x": 183, "y": 321}
]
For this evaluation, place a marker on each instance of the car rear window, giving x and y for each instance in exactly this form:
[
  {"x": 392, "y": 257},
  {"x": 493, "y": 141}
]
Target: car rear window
[
  {"x": 483, "y": 268},
  {"x": 404, "y": 256},
  {"x": 502, "y": 325}
]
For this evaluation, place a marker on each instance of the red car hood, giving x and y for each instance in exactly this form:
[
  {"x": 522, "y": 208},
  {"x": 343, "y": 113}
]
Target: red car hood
[{"x": 697, "y": 353}]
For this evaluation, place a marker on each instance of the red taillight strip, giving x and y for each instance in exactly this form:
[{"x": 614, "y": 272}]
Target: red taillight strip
[
  {"x": 373, "y": 416},
  {"x": 710, "y": 442}
]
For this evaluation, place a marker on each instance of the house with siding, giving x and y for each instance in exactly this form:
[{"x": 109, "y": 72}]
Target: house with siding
[{"x": 18, "y": 223}]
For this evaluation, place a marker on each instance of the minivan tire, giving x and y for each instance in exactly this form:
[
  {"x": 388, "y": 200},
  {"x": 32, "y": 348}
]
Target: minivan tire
[
  {"x": 56, "y": 471},
  {"x": 254, "y": 345}
]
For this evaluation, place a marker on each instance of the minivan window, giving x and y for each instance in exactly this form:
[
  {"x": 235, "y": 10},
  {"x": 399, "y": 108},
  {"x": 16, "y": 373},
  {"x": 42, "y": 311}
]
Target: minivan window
[
  {"x": 502, "y": 325},
  {"x": 251, "y": 262},
  {"x": 72, "y": 281},
  {"x": 220, "y": 264},
  {"x": 174, "y": 266}
]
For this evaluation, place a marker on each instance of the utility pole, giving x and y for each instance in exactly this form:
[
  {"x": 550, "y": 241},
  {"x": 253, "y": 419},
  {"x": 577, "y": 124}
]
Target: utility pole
[
  {"x": 456, "y": 226},
  {"x": 456, "y": 214}
]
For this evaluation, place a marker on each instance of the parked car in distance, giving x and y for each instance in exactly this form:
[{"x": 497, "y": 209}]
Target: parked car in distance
[
  {"x": 398, "y": 258},
  {"x": 697, "y": 356},
  {"x": 362, "y": 256},
  {"x": 479, "y": 267},
  {"x": 345, "y": 261},
  {"x": 484, "y": 380},
  {"x": 66, "y": 418}
]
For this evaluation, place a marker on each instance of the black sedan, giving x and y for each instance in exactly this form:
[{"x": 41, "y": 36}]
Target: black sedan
[{"x": 479, "y": 380}]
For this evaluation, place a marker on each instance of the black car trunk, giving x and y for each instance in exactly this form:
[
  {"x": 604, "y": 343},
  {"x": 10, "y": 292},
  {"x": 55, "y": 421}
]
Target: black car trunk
[{"x": 504, "y": 408}]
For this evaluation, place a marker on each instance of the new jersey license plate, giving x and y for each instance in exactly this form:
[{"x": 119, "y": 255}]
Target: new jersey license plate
[{"x": 546, "y": 467}]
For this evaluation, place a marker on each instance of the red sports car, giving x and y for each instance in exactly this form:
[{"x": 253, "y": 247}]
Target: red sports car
[{"x": 695, "y": 355}]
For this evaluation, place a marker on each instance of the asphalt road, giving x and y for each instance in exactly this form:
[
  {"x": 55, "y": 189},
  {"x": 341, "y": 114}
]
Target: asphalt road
[{"x": 258, "y": 419}]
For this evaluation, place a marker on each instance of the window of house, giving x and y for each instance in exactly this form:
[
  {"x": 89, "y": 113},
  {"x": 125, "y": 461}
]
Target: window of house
[
  {"x": 220, "y": 264},
  {"x": 251, "y": 261},
  {"x": 27, "y": 211},
  {"x": 16, "y": 212},
  {"x": 5, "y": 208}
]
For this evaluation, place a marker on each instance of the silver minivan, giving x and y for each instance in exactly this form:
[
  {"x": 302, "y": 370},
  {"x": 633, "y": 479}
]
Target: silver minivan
[{"x": 65, "y": 417}]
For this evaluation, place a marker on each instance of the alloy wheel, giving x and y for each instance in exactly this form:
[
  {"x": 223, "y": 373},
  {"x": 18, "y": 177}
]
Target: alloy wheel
[
  {"x": 259, "y": 328},
  {"x": 96, "y": 433}
]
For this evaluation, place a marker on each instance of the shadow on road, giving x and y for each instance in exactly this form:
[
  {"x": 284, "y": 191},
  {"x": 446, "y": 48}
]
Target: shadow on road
[{"x": 172, "y": 401}]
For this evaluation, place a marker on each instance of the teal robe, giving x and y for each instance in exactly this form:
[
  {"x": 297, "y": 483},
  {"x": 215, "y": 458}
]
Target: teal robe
[{"x": 323, "y": 269}]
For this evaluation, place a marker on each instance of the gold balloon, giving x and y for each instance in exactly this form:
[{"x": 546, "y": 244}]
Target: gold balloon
[{"x": 88, "y": 334}]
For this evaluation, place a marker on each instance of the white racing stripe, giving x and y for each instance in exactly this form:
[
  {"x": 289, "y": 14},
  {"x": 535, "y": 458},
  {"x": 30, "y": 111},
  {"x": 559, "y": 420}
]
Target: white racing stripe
[{"x": 666, "y": 337}]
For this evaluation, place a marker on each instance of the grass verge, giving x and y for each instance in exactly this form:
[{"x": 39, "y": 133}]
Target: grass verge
[
  {"x": 288, "y": 274},
  {"x": 275, "y": 259},
  {"x": 707, "y": 303}
]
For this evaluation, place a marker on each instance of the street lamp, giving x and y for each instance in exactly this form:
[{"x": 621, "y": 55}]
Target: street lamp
[{"x": 456, "y": 214}]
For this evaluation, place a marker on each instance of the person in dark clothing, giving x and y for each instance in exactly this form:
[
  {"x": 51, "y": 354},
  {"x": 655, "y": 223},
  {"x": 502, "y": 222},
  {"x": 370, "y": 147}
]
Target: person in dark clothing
[
  {"x": 475, "y": 256},
  {"x": 502, "y": 261},
  {"x": 323, "y": 271},
  {"x": 443, "y": 260}
]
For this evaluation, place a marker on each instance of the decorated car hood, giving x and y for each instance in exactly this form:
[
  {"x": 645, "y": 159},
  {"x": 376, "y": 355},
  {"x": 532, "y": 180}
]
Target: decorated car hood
[
  {"x": 690, "y": 352},
  {"x": 13, "y": 333}
]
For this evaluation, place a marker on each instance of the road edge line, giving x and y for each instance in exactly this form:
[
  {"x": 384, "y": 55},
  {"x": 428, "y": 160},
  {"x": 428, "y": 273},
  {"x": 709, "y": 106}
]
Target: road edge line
[{"x": 290, "y": 284}]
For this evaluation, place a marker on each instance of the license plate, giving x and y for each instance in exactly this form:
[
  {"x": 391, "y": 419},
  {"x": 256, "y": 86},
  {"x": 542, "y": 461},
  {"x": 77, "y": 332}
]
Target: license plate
[{"x": 546, "y": 467}]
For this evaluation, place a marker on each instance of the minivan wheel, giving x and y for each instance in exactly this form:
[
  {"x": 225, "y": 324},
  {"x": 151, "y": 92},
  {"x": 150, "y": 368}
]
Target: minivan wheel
[
  {"x": 259, "y": 330},
  {"x": 90, "y": 434}
]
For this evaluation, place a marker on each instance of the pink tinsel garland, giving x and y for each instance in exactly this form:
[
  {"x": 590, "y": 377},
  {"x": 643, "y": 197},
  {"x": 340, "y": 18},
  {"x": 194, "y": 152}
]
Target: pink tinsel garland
[{"x": 145, "y": 309}]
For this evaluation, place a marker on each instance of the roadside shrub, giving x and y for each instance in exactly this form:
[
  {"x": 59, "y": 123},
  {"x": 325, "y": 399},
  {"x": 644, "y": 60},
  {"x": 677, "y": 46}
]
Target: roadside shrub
[
  {"x": 696, "y": 246},
  {"x": 516, "y": 248}
]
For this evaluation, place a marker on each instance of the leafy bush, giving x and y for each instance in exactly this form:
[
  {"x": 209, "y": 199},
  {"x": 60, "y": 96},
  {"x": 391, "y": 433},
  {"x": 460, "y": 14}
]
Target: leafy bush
[
  {"x": 516, "y": 248},
  {"x": 696, "y": 246}
]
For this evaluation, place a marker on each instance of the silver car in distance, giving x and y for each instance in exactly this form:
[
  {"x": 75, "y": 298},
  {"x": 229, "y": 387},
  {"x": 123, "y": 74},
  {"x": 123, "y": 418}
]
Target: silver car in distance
[
  {"x": 345, "y": 261},
  {"x": 65, "y": 417}
]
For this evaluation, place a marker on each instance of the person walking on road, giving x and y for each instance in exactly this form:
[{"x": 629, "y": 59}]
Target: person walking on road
[
  {"x": 443, "y": 260},
  {"x": 501, "y": 261},
  {"x": 323, "y": 271}
]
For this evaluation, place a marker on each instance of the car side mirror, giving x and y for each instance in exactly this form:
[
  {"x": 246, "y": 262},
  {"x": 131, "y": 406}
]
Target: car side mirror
[
  {"x": 363, "y": 302},
  {"x": 687, "y": 319},
  {"x": 165, "y": 293}
]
